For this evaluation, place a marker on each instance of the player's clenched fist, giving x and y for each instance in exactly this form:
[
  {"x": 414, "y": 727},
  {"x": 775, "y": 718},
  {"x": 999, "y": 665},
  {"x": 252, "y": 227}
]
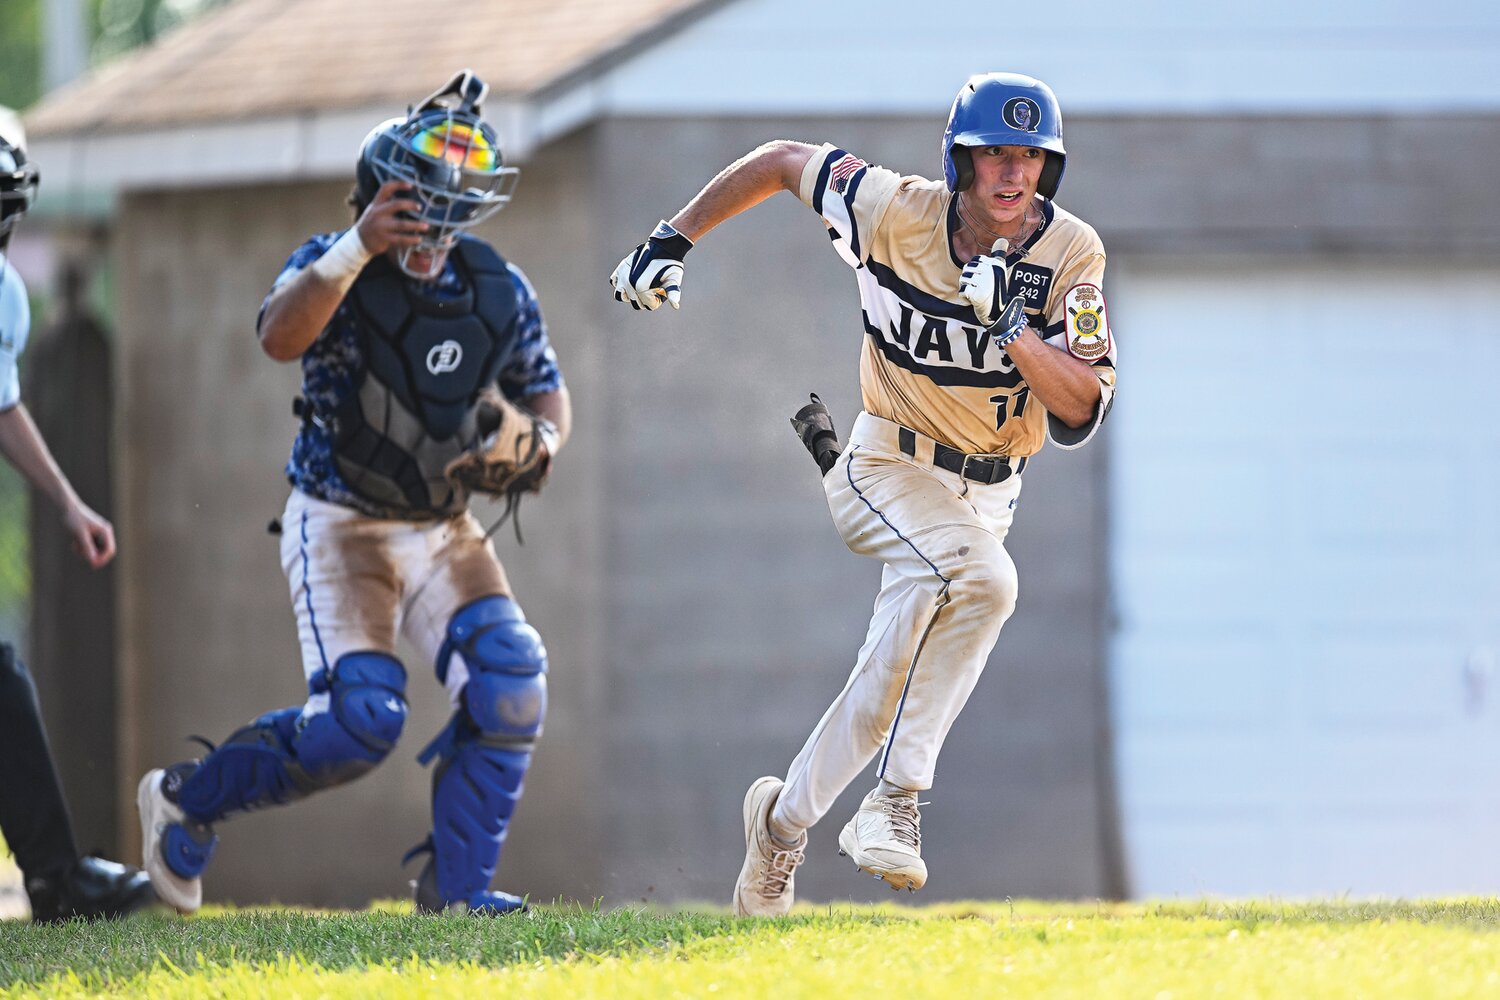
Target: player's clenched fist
[
  {"x": 983, "y": 284},
  {"x": 652, "y": 273}
]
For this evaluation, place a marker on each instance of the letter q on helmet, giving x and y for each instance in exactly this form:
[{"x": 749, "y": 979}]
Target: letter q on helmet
[
  {"x": 1003, "y": 109},
  {"x": 448, "y": 154},
  {"x": 18, "y": 183}
]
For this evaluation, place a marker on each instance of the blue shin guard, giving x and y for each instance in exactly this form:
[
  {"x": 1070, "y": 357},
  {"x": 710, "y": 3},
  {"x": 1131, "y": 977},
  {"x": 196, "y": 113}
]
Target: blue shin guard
[
  {"x": 474, "y": 793},
  {"x": 483, "y": 753},
  {"x": 286, "y": 755}
]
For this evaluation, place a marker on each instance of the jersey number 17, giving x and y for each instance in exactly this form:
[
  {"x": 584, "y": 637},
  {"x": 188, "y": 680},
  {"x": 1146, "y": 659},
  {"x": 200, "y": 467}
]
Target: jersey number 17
[{"x": 1015, "y": 402}]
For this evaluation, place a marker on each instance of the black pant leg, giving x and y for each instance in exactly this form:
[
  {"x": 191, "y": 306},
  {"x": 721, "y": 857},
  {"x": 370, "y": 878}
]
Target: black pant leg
[{"x": 33, "y": 815}]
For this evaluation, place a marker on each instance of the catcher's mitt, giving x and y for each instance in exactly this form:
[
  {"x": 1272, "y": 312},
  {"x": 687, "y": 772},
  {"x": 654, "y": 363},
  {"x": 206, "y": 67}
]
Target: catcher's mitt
[{"x": 513, "y": 452}]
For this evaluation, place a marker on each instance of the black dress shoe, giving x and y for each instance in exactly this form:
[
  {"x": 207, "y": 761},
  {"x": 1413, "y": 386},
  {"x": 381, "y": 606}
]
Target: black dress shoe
[{"x": 91, "y": 887}]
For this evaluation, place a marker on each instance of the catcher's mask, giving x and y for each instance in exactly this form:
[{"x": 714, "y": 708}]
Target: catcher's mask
[
  {"x": 450, "y": 157},
  {"x": 18, "y": 183},
  {"x": 1003, "y": 109}
]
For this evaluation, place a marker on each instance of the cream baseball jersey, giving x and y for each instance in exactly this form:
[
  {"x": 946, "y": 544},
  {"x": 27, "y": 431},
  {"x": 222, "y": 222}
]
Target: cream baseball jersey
[{"x": 926, "y": 361}]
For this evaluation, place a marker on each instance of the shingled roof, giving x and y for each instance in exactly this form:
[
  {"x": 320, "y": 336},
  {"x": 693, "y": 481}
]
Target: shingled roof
[{"x": 272, "y": 58}]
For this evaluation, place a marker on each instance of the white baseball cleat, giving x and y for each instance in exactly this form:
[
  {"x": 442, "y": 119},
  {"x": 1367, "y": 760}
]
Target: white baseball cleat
[
  {"x": 885, "y": 839},
  {"x": 176, "y": 849},
  {"x": 764, "y": 888}
]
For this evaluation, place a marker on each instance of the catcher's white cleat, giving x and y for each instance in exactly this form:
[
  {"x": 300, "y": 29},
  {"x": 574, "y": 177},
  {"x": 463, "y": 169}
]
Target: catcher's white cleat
[
  {"x": 764, "y": 888},
  {"x": 176, "y": 849},
  {"x": 885, "y": 839}
]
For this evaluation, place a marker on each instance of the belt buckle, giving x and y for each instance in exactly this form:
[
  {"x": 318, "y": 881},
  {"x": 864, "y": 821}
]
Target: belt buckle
[{"x": 991, "y": 476}]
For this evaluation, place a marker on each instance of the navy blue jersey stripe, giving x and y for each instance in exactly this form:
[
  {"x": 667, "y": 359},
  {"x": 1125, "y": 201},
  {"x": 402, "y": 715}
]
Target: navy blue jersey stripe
[
  {"x": 952, "y": 223},
  {"x": 931, "y": 305},
  {"x": 939, "y": 375},
  {"x": 915, "y": 297},
  {"x": 849, "y": 190},
  {"x": 834, "y": 155},
  {"x": 1047, "y": 213}
]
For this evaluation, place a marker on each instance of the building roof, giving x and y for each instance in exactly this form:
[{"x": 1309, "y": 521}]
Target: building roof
[
  {"x": 275, "y": 58},
  {"x": 275, "y": 91},
  {"x": 268, "y": 91}
]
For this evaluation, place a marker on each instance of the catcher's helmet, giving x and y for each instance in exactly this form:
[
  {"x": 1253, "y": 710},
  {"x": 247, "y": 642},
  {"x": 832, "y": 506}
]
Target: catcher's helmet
[
  {"x": 451, "y": 158},
  {"x": 1003, "y": 109},
  {"x": 18, "y": 181}
]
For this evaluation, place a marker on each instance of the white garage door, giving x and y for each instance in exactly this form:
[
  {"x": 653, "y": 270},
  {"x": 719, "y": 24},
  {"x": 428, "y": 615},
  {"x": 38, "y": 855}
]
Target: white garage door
[{"x": 1306, "y": 567}]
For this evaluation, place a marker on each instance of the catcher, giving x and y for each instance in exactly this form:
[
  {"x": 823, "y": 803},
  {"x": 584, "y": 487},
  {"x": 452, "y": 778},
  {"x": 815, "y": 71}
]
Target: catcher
[{"x": 427, "y": 375}]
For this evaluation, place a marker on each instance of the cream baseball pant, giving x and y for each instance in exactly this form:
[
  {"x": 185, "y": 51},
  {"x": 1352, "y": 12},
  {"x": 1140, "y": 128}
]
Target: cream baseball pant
[
  {"x": 356, "y": 580},
  {"x": 947, "y": 588}
]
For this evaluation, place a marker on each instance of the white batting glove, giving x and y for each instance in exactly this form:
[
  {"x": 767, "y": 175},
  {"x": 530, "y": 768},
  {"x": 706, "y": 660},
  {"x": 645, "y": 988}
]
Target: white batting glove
[
  {"x": 982, "y": 284},
  {"x": 652, "y": 273}
]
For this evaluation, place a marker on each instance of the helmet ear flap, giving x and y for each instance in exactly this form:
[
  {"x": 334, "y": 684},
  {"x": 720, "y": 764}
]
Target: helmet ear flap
[
  {"x": 963, "y": 167},
  {"x": 1052, "y": 171}
]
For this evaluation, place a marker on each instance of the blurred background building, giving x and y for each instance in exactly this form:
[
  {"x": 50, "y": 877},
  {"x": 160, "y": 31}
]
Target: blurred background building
[{"x": 1255, "y": 644}]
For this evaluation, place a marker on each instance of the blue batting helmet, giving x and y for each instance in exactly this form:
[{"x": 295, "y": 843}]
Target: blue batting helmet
[{"x": 1003, "y": 109}]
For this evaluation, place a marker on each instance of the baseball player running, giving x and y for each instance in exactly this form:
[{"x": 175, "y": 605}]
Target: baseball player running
[
  {"x": 985, "y": 334},
  {"x": 417, "y": 342}
]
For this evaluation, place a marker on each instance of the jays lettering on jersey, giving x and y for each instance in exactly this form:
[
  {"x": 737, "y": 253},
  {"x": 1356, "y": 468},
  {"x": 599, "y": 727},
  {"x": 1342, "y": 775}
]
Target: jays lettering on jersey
[
  {"x": 331, "y": 364},
  {"x": 15, "y": 327},
  {"x": 926, "y": 363}
]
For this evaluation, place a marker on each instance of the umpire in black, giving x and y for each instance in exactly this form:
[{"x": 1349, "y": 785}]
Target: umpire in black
[{"x": 33, "y": 816}]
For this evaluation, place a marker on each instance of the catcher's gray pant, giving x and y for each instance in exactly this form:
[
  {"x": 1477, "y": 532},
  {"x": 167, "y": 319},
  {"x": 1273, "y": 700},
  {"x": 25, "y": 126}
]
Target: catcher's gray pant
[
  {"x": 948, "y": 587},
  {"x": 355, "y": 580}
]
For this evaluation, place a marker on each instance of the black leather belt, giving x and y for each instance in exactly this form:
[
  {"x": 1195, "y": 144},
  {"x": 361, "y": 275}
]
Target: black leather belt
[{"x": 987, "y": 469}]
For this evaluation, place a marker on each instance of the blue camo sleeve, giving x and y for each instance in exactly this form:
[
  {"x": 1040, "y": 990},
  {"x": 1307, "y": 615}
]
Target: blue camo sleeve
[
  {"x": 315, "y": 247},
  {"x": 532, "y": 368}
]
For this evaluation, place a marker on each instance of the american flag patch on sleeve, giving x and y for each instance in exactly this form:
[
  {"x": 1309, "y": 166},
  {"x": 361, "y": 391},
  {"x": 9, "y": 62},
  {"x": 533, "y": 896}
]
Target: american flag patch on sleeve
[{"x": 840, "y": 172}]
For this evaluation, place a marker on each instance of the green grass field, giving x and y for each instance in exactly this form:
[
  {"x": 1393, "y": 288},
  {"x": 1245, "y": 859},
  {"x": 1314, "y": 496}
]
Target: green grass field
[{"x": 1179, "y": 950}]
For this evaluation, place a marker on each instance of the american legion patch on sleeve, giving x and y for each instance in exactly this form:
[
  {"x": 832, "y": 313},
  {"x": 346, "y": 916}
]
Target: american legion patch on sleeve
[{"x": 1088, "y": 327}]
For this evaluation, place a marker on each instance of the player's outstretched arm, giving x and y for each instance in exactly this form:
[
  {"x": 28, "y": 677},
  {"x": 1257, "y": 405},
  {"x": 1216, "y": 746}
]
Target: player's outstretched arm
[
  {"x": 299, "y": 310},
  {"x": 652, "y": 273},
  {"x": 771, "y": 167}
]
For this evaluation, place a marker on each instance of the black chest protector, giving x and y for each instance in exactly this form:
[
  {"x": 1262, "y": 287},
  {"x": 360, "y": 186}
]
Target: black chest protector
[{"x": 424, "y": 362}]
